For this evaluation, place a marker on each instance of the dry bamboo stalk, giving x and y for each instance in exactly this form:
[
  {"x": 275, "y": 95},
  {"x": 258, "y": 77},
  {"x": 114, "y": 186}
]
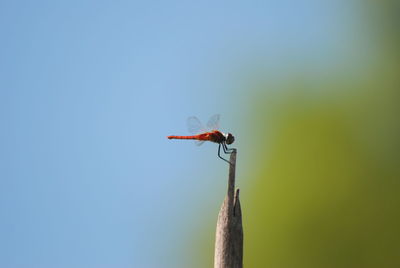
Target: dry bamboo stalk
[{"x": 229, "y": 233}]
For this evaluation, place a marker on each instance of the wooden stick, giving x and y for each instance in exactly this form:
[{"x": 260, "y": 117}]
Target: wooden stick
[{"x": 229, "y": 233}]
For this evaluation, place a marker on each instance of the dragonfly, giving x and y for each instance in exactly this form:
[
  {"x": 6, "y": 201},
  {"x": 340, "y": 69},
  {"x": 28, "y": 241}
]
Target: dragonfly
[{"x": 209, "y": 133}]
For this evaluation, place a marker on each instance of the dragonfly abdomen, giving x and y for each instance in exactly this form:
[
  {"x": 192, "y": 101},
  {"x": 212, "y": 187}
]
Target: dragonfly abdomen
[
  {"x": 214, "y": 136},
  {"x": 194, "y": 137}
]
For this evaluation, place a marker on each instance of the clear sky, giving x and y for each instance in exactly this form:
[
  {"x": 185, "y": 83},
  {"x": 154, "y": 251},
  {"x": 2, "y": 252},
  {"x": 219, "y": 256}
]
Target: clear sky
[{"x": 88, "y": 92}]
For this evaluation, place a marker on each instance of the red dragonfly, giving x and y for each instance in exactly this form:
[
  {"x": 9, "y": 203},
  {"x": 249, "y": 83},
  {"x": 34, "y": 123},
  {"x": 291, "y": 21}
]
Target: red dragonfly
[{"x": 210, "y": 133}]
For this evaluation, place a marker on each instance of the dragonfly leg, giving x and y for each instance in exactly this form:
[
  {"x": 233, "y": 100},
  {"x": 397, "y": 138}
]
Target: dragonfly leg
[
  {"x": 226, "y": 149},
  {"x": 219, "y": 153}
]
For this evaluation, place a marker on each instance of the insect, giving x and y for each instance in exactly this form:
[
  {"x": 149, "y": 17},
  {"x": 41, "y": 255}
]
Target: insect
[{"x": 210, "y": 133}]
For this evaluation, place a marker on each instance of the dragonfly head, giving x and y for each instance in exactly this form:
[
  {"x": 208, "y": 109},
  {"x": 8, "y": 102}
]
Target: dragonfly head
[{"x": 229, "y": 138}]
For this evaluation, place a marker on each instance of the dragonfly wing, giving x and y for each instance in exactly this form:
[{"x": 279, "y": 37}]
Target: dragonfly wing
[
  {"x": 194, "y": 125},
  {"x": 198, "y": 143},
  {"x": 213, "y": 122}
]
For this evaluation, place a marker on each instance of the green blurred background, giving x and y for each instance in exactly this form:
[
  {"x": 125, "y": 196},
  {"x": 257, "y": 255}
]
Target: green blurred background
[{"x": 321, "y": 182}]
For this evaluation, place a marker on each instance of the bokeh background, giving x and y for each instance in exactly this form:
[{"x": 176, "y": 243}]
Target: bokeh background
[{"x": 90, "y": 89}]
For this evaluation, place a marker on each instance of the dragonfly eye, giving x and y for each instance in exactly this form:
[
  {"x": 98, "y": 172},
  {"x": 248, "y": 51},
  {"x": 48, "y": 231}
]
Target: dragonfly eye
[{"x": 230, "y": 139}]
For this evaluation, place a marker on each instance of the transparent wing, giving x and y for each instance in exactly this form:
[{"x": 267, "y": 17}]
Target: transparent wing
[
  {"x": 198, "y": 143},
  {"x": 194, "y": 125},
  {"x": 213, "y": 122}
]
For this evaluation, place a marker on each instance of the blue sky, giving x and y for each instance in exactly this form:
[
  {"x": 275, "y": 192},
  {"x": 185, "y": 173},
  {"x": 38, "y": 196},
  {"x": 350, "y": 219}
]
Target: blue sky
[{"x": 90, "y": 89}]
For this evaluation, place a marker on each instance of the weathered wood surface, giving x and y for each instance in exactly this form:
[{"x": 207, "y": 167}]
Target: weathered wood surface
[{"x": 229, "y": 233}]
